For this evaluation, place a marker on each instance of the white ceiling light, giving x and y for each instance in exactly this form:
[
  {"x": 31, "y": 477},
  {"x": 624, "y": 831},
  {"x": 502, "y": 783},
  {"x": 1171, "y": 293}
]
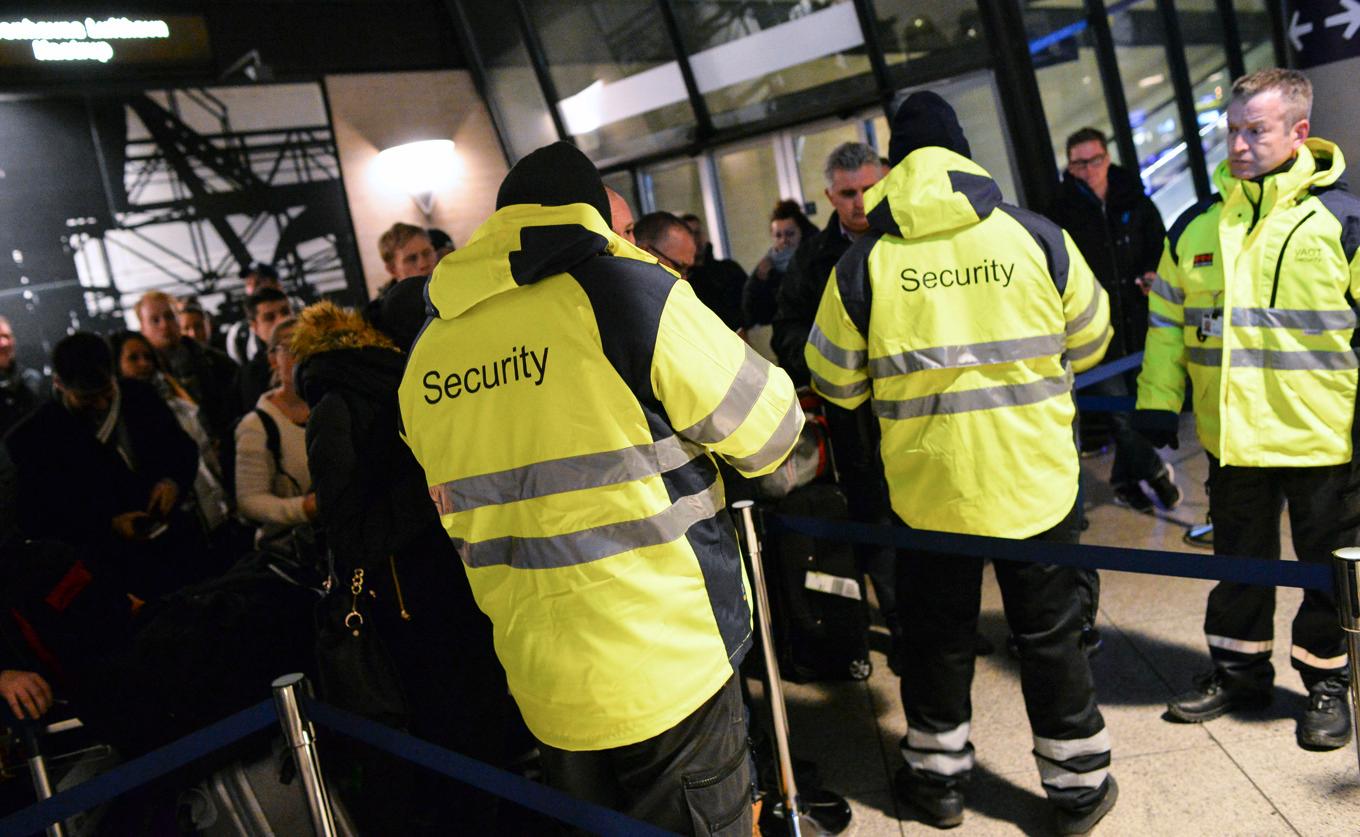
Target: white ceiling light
[{"x": 421, "y": 169}]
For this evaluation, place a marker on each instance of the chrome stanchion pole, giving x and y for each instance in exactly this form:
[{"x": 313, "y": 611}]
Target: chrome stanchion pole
[
  {"x": 302, "y": 741},
  {"x": 777, "y": 709},
  {"x": 1346, "y": 566}
]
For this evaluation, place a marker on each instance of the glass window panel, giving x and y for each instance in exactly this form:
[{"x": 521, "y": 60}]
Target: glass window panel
[
  {"x": 1253, "y": 26},
  {"x": 754, "y": 61},
  {"x": 1206, "y": 55},
  {"x": 811, "y": 148},
  {"x": 1068, "y": 72},
  {"x": 622, "y": 182},
  {"x": 925, "y": 39},
  {"x": 749, "y": 183},
  {"x": 511, "y": 84},
  {"x": 622, "y": 95},
  {"x": 676, "y": 188}
]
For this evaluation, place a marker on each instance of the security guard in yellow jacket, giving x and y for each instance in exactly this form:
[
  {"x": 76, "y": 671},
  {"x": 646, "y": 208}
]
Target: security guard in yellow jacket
[
  {"x": 1255, "y": 299},
  {"x": 564, "y": 400},
  {"x": 963, "y": 319}
]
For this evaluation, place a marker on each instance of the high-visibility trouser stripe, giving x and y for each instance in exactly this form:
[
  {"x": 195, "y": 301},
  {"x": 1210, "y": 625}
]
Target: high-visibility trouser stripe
[
  {"x": 1240, "y": 646},
  {"x": 586, "y": 545},
  {"x": 1290, "y": 360},
  {"x": 778, "y": 445},
  {"x": 738, "y": 402},
  {"x": 1091, "y": 347},
  {"x": 1085, "y": 317},
  {"x": 572, "y": 473},
  {"x": 1061, "y": 761},
  {"x": 1168, "y": 292},
  {"x": 827, "y": 388},
  {"x": 1334, "y": 320},
  {"x": 851, "y": 359},
  {"x": 1302, "y": 655},
  {"x": 1158, "y": 321},
  {"x": 945, "y": 753},
  {"x": 987, "y": 398},
  {"x": 973, "y": 354},
  {"x": 1205, "y": 357}
]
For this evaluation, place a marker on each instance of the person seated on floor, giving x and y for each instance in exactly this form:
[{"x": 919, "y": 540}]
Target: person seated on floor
[
  {"x": 137, "y": 360},
  {"x": 273, "y": 485}
]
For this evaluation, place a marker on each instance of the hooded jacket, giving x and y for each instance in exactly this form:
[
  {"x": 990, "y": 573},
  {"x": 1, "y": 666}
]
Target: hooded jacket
[
  {"x": 1255, "y": 299},
  {"x": 564, "y": 401},
  {"x": 962, "y": 318}
]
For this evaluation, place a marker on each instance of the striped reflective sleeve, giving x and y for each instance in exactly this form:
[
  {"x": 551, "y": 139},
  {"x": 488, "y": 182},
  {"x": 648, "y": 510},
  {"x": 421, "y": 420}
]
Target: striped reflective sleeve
[
  {"x": 837, "y": 354},
  {"x": 717, "y": 391},
  {"x": 1086, "y": 309},
  {"x": 1161, "y": 383}
]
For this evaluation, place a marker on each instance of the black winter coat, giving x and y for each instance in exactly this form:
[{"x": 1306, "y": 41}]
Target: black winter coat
[
  {"x": 1120, "y": 241},
  {"x": 71, "y": 485},
  {"x": 718, "y": 284},
  {"x": 800, "y": 293},
  {"x": 18, "y": 395}
]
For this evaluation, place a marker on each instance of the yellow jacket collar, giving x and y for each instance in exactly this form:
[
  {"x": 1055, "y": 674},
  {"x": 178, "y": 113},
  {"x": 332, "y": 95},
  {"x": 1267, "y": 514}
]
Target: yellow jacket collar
[
  {"x": 932, "y": 190},
  {"x": 1319, "y": 163}
]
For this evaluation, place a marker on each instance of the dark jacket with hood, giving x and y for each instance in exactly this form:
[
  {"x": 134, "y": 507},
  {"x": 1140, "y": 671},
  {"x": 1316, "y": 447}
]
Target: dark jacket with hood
[
  {"x": 801, "y": 291},
  {"x": 1121, "y": 240},
  {"x": 718, "y": 284}
]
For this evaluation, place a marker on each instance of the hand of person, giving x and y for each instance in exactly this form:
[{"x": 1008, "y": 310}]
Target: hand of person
[
  {"x": 163, "y": 498},
  {"x": 26, "y": 692},
  {"x": 1145, "y": 281},
  {"x": 309, "y": 505},
  {"x": 1160, "y": 427},
  {"x": 764, "y": 267},
  {"x": 127, "y": 527}
]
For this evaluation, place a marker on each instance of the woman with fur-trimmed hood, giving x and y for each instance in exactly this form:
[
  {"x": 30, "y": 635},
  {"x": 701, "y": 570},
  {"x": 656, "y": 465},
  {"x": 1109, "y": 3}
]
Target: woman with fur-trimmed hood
[{"x": 377, "y": 514}]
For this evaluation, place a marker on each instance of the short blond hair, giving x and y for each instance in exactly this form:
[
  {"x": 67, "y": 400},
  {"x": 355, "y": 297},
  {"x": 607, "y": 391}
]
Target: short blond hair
[
  {"x": 153, "y": 296},
  {"x": 1295, "y": 90},
  {"x": 396, "y": 236}
]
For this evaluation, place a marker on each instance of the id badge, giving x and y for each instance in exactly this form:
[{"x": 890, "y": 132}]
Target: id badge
[{"x": 1211, "y": 323}]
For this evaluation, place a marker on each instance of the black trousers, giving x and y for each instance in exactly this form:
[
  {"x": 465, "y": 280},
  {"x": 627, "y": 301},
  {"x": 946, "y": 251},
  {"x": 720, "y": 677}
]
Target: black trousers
[
  {"x": 854, "y": 442},
  {"x": 1324, "y": 515},
  {"x": 694, "y": 778},
  {"x": 1134, "y": 456},
  {"x": 940, "y": 596}
]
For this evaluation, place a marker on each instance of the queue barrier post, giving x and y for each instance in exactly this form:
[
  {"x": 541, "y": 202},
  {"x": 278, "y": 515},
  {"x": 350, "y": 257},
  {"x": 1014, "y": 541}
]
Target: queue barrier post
[
  {"x": 778, "y": 712},
  {"x": 1346, "y": 565},
  {"x": 301, "y": 737}
]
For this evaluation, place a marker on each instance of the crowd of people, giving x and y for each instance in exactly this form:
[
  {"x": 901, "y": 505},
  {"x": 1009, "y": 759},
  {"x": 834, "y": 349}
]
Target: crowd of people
[{"x": 518, "y": 449}]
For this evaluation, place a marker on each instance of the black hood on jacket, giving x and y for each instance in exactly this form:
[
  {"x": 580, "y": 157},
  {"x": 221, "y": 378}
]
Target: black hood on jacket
[{"x": 368, "y": 371}]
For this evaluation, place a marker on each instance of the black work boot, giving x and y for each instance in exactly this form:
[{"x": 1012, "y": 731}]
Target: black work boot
[
  {"x": 1215, "y": 694},
  {"x": 1326, "y": 725},
  {"x": 938, "y": 805},
  {"x": 1071, "y": 822}
]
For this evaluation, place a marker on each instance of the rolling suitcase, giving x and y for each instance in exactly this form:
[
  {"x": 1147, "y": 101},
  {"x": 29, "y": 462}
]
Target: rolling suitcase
[{"x": 821, "y": 618}]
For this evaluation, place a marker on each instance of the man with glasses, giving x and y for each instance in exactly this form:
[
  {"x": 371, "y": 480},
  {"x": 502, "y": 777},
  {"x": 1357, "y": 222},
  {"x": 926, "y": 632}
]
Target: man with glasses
[{"x": 668, "y": 238}]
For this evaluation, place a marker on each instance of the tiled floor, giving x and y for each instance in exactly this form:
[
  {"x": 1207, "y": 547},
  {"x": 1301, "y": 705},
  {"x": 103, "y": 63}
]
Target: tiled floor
[{"x": 1239, "y": 775}]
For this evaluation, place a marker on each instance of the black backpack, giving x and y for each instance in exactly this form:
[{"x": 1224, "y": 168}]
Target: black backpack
[{"x": 227, "y": 452}]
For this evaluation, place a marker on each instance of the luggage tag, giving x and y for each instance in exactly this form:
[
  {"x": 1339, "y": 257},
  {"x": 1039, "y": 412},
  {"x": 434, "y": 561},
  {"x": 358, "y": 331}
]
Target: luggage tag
[{"x": 836, "y": 585}]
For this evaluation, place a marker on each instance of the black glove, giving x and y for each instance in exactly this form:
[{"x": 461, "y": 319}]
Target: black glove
[{"x": 1160, "y": 427}]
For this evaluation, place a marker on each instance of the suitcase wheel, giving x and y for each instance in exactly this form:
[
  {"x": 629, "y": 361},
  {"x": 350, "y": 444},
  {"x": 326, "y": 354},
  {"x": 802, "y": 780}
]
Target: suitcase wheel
[{"x": 861, "y": 669}]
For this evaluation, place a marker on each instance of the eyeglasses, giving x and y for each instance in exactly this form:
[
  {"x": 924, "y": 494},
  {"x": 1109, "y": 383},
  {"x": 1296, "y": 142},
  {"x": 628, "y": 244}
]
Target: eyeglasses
[
  {"x": 679, "y": 267},
  {"x": 1078, "y": 163}
]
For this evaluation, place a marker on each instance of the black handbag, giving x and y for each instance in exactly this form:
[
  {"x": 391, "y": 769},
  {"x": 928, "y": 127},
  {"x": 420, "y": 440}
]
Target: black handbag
[{"x": 356, "y": 670}]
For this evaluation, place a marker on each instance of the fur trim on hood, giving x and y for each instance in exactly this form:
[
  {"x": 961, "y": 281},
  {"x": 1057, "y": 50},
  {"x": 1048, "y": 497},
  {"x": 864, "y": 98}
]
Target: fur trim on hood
[{"x": 326, "y": 327}]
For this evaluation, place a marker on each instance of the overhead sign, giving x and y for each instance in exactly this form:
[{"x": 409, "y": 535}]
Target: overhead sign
[
  {"x": 1322, "y": 31},
  {"x": 121, "y": 40}
]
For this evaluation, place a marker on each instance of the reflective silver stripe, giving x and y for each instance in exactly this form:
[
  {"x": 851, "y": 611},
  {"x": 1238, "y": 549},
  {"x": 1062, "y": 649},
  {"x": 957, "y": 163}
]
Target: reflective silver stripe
[
  {"x": 589, "y": 545},
  {"x": 944, "y": 764},
  {"x": 1291, "y": 318},
  {"x": 1054, "y": 776},
  {"x": 1241, "y": 646},
  {"x": 1085, "y": 317},
  {"x": 987, "y": 398},
  {"x": 571, "y": 473},
  {"x": 827, "y": 388},
  {"x": 1309, "y": 659},
  {"x": 1274, "y": 359},
  {"x": 1087, "y": 349},
  {"x": 844, "y": 358},
  {"x": 1166, "y": 291},
  {"x": 951, "y": 740},
  {"x": 736, "y": 404},
  {"x": 975, "y": 354},
  {"x": 1158, "y": 321},
  {"x": 778, "y": 446},
  {"x": 1205, "y": 357},
  {"x": 1195, "y": 316},
  {"x": 1062, "y": 749}
]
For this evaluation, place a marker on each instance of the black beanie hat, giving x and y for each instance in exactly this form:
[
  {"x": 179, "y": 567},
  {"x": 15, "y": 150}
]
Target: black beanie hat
[
  {"x": 400, "y": 312},
  {"x": 923, "y": 119},
  {"x": 555, "y": 175}
]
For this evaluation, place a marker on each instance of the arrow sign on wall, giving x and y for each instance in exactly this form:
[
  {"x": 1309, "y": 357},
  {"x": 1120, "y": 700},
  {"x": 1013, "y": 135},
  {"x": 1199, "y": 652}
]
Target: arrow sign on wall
[
  {"x": 1350, "y": 19},
  {"x": 1323, "y": 31},
  {"x": 1297, "y": 30}
]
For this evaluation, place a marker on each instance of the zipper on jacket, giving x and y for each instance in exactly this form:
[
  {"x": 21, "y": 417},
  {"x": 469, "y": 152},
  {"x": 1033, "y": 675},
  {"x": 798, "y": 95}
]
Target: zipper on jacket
[{"x": 1274, "y": 288}]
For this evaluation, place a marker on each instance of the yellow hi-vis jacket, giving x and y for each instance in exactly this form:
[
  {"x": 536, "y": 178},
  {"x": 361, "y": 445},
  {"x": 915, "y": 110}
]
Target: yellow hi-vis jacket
[
  {"x": 963, "y": 318},
  {"x": 563, "y": 401},
  {"x": 1254, "y": 297}
]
